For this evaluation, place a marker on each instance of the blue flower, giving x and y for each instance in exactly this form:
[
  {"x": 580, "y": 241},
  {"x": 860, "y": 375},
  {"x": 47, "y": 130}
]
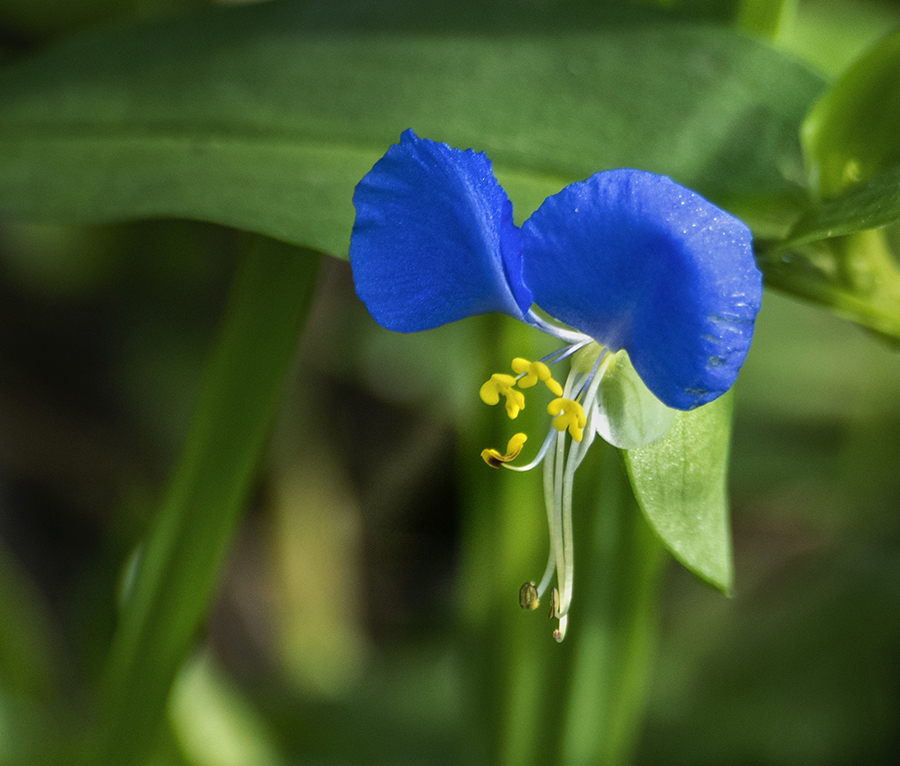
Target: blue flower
[{"x": 654, "y": 291}]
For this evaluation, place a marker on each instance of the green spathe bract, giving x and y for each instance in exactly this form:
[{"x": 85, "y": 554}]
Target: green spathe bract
[
  {"x": 680, "y": 482},
  {"x": 630, "y": 415}
]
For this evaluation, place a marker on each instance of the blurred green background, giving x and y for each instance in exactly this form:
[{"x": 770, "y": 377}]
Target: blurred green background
[{"x": 334, "y": 634}]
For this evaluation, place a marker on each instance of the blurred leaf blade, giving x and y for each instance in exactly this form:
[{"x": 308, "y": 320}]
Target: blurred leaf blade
[
  {"x": 870, "y": 205},
  {"x": 854, "y": 276},
  {"x": 26, "y": 660},
  {"x": 214, "y": 722},
  {"x": 300, "y": 194},
  {"x": 180, "y": 562},
  {"x": 853, "y": 132},
  {"x": 249, "y": 117},
  {"x": 680, "y": 483},
  {"x": 765, "y": 17}
]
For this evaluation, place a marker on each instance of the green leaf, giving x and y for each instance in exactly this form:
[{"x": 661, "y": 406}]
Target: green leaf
[
  {"x": 43, "y": 18},
  {"x": 214, "y": 722},
  {"x": 867, "y": 206},
  {"x": 27, "y": 671},
  {"x": 856, "y": 277},
  {"x": 765, "y": 17},
  {"x": 179, "y": 564},
  {"x": 680, "y": 483},
  {"x": 853, "y": 133},
  {"x": 253, "y": 117}
]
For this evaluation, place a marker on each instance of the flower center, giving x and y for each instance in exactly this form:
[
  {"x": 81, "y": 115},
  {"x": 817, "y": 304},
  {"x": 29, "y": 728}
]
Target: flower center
[{"x": 570, "y": 435}]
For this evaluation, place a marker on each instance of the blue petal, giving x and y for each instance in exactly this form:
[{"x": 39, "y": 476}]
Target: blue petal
[
  {"x": 641, "y": 263},
  {"x": 434, "y": 239}
]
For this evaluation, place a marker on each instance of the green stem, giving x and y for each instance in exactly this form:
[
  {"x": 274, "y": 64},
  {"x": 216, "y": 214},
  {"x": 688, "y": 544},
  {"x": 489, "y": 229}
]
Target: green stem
[{"x": 180, "y": 562}]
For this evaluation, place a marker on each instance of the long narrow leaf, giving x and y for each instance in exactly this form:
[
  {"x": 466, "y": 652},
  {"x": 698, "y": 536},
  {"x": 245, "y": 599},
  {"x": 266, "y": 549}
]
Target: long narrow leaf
[
  {"x": 254, "y": 118},
  {"x": 181, "y": 560}
]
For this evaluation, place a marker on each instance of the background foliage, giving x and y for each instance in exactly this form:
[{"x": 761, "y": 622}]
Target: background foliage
[{"x": 339, "y": 588}]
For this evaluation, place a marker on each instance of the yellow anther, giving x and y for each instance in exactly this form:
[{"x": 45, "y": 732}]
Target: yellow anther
[
  {"x": 555, "y": 603},
  {"x": 569, "y": 414},
  {"x": 503, "y": 385},
  {"x": 494, "y": 459},
  {"x": 535, "y": 371},
  {"x": 554, "y": 387},
  {"x": 528, "y": 597}
]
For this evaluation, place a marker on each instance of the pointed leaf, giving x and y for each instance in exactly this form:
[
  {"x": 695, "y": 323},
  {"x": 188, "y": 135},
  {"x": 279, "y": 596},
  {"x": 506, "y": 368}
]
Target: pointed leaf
[
  {"x": 867, "y": 206},
  {"x": 680, "y": 483},
  {"x": 855, "y": 276},
  {"x": 853, "y": 132},
  {"x": 186, "y": 547}
]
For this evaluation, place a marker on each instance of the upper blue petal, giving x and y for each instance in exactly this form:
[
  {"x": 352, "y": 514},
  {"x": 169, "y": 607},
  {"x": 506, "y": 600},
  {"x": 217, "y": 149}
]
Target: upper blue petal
[
  {"x": 434, "y": 239},
  {"x": 638, "y": 262}
]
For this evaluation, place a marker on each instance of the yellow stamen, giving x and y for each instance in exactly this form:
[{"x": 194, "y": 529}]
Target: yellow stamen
[
  {"x": 535, "y": 371},
  {"x": 569, "y": 414},
  {"x": 503, "y": 385},
  {"x": 494, "y": 459}
]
